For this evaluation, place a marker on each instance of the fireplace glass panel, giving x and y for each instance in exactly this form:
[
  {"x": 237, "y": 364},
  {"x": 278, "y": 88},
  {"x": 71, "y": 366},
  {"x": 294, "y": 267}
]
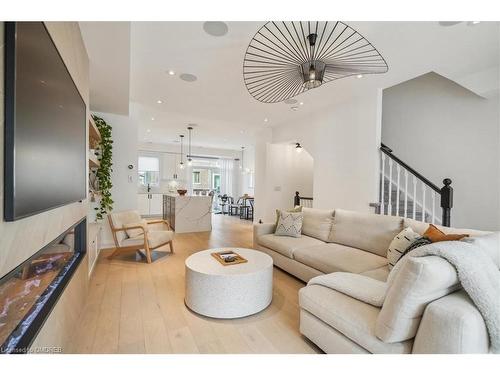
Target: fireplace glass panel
[{"x": 25, "y": 290}]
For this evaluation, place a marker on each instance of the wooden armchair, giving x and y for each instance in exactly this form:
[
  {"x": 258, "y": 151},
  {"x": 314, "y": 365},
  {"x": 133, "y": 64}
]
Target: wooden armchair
[{"x": 144, "y": 237}]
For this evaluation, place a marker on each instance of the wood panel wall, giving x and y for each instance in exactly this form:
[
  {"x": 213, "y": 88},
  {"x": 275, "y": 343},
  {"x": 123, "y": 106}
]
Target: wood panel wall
[{"x": 21, "y": 239}]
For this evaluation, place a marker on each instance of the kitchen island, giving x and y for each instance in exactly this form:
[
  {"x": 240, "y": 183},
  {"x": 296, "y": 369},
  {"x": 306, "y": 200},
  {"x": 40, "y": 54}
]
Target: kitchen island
[{"x": 188, "y": 213}]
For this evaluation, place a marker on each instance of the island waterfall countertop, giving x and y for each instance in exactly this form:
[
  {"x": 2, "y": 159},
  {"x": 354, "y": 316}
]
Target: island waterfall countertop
[{"x": 188, "y": 213}]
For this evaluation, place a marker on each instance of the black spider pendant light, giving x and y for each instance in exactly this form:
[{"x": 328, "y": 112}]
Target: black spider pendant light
[{"x": 287, "y": 58}]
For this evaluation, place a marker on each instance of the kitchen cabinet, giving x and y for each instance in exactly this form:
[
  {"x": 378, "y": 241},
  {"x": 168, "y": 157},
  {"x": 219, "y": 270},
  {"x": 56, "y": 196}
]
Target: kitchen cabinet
[
  {"x": 155, "y": 205},
  {"x": 149, "y": 204}
]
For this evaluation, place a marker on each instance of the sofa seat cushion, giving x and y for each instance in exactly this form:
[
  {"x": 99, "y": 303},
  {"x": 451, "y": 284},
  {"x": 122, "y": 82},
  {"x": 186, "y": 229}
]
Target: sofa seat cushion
[
  {"x": 354, "y": 319},
  {"x": 287, "y": 245},
  {"x": 369, "y": 232},
  {"x": 332, "y": 257},
  {"x": 155, "y": 238},
  {"x": 380, "y": 274}
]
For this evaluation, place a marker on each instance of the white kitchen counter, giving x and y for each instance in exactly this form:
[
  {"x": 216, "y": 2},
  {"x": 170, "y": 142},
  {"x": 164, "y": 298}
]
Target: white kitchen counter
[{"x": 188, "y": 213}]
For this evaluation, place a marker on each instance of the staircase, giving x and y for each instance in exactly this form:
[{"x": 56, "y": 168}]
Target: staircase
[
  {"x": 396, "y": 209},
  {"x": 405, "y": 192}
]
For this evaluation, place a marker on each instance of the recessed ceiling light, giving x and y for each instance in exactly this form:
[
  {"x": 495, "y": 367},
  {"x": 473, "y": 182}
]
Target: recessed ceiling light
[
  {"x": 171, "y": 73},
  {"x": 215, "y": 28},
  {"x": 301, "y": 103},
  {"x": 159, "y": 101},
  {"x": 291, "y": 101},
  {"x": 188, "y": 77},
  {"x": 294, "y": 108},
  {"x": 359, "y": 76},
  {"x": 152, "y": 118},
  {"x": 266, "y": 119},
  {"x": 149, "y": 130}
]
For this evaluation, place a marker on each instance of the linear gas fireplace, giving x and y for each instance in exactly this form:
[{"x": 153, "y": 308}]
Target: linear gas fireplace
[{"x": 30, "y": 291}]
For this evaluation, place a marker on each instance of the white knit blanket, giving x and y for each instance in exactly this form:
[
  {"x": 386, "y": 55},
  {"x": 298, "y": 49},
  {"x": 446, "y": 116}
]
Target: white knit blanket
[{"x": 479, "y": 277}]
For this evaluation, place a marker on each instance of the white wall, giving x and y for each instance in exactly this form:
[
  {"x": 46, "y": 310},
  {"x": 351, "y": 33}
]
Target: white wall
[
  {"x": 443, "y": 130},
  {"x": 124, "y": 135},
  {"x": 343, "y": 142}
]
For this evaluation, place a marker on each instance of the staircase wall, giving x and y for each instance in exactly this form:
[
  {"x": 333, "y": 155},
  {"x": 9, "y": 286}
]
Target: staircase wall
[{"x": 443, "y": 130}]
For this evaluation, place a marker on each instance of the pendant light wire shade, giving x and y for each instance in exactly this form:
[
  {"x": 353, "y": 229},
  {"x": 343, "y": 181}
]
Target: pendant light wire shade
[{"x": 286, "y": 58}]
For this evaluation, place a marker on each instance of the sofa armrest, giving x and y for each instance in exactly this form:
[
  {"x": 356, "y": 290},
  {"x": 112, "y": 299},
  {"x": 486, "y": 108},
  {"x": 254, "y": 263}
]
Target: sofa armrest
[
  {"x": 451, "y": 325},
  {"x": 261, "y": 229},
  {"x": 362, "y": 288}
]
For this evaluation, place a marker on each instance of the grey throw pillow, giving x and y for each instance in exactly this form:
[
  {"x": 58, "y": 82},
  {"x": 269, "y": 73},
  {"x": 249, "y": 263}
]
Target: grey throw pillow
[{"x": 289, "y": 224}]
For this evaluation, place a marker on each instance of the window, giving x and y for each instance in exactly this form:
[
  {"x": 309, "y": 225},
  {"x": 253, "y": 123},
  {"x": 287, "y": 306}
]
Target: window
[
  {"x": 149, "y": 171},
  {"x": 216, "y": 182},
  {"x": 196, "y": 177}
]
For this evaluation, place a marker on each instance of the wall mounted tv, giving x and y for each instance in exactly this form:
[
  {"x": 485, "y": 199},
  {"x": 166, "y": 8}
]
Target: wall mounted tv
[{"x": 45, "y": 125}]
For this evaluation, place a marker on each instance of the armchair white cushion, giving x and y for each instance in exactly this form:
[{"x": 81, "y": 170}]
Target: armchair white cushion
[{"x": 155, "y": 238}]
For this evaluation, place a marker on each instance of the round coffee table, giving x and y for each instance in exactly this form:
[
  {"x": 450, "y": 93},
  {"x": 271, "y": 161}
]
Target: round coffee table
[{"x": 233, "y": 291}]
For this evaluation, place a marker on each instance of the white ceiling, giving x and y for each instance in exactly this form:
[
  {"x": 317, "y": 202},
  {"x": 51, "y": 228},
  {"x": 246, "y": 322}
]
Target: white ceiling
[
  {"x": 108, "y": 47},
  {"x": 218, "y": 102}
]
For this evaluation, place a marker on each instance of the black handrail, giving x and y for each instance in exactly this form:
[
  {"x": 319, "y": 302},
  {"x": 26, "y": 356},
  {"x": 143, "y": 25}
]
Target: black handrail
[
  {"x": 297, "y": 198},
  {"x": 446, "y": 192},
  {"x": 386, "y": 150}
]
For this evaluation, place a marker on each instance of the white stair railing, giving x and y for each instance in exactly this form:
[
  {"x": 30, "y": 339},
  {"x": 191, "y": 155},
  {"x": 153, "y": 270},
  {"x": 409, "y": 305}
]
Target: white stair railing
[{"x": 405, "y": 192}]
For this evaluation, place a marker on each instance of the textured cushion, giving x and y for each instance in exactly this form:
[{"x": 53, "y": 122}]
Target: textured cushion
[
  {"x": 122, "y": 218},
  {"x": 436, "y": 235},
  {"x": 362, "y": 288},
  {"x": 295, "y": 209},
  {"x": 289, "y": 224},
  {"x": 450, "y": 325},
  {"x": 412, "y": 284},
  {"x": 489, "y": 243},
  {"x": 136, "y": 232},
  {"x": 317, "y": 223},
  {"x": 287, "y": 245},
  {"x": 399, "y": 244},
  {"x": 421, "y": 227},
  {"x": 369, "y": 232},
  {"x": 353, "y": 318},
  {"x": 332, "y": 257},
  {"x": 155, "y": 238},
  {"x": 380, "y": 274}
]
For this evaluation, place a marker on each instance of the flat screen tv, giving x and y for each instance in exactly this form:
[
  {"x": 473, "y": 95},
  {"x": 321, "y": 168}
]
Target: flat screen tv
[{"x": 45, "y": 125}]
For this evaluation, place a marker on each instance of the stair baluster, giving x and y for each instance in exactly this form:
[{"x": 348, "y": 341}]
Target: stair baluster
[{"x": 405, "y": 199}]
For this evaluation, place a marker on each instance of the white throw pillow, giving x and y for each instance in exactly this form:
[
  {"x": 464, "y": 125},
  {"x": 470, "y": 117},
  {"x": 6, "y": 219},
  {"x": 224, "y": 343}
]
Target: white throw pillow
[
  {"x": 136, "y": 232},
  {"x": 289, "y": 224},
  {"x": 399, "y": 244}
]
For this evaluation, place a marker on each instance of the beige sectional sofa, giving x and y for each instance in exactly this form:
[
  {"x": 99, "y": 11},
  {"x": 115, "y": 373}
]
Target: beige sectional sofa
[{"x": 424, "y": 309}]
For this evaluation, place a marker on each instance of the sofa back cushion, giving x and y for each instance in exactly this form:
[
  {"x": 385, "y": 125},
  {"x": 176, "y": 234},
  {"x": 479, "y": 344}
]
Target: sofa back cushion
[
  {"x": 317, "y": 223},
  {"x": 420, "y": 227},
  {"x": 412, "y": 284},
  {"x": 369, "y": 232}
]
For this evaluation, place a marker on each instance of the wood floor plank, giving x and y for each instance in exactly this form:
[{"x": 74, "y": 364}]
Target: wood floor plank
[{"x": 135, "y": 307}]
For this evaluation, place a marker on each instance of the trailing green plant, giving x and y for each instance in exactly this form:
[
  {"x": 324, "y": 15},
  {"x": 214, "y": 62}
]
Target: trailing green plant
[{"x": 103, "y": 173}]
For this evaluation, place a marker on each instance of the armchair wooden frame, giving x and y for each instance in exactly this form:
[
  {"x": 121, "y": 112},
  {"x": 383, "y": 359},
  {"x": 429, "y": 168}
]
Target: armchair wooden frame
[{"x": 138, "y": 247}]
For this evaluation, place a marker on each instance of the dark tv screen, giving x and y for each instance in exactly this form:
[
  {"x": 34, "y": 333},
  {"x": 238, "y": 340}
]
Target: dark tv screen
[{"x": 45, "y": 125}]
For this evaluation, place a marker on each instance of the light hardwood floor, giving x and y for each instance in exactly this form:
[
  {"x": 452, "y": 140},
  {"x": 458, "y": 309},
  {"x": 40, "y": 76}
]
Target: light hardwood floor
[{"x": 134, "y": 307}]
